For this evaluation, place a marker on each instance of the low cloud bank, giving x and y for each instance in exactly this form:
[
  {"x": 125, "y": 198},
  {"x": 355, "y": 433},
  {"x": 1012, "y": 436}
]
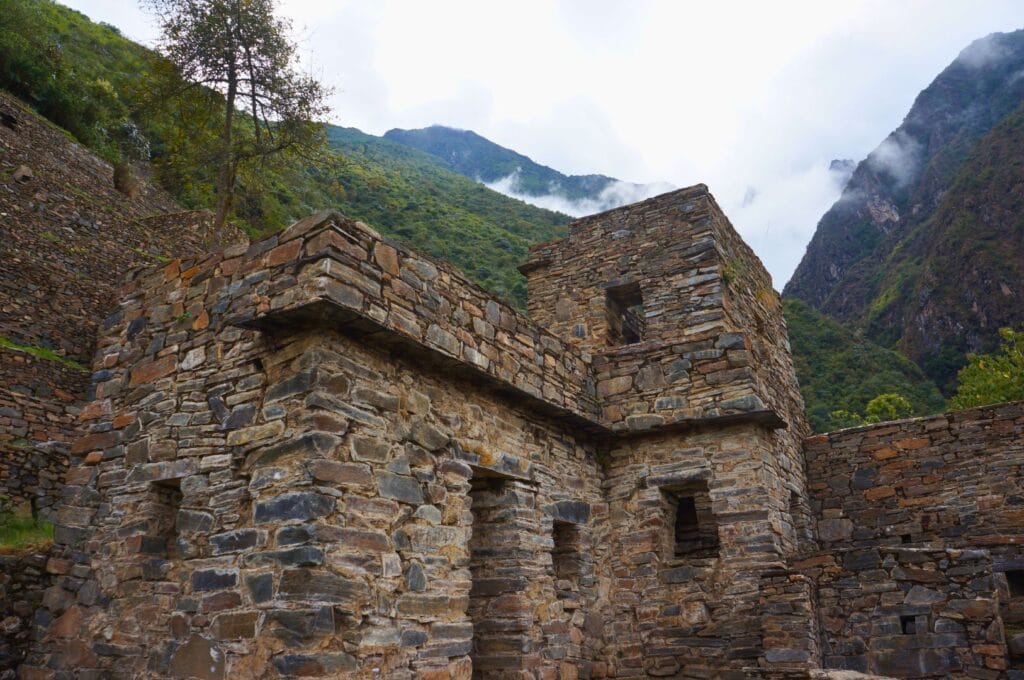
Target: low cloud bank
[{"x": 616, "y": 194}]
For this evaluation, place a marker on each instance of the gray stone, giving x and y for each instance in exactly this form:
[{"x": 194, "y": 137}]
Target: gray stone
[
  {"x": 400, "y": 488},
  {"x": 234, "y": 541},
  {"x": 573, "y": 512},
  {"x": 290, "y": 506},
  {"x": 415, "y": 579},
  {"x": 428, "y": 436},
  {"x": 214, "y": 579},
  {"x": 921, "y": 595}
]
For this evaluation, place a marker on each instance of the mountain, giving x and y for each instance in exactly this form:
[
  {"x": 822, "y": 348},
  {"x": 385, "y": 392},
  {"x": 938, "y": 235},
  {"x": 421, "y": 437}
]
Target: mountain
[
  {"x": 409, "y": 195},
  {"x": 96, "y": 84},
  {"x": 91, "y": 81},
  {"x": 840, "y": 370},
  {"x": 923, "y": 250},
  {"x": 516, "y": 175}
]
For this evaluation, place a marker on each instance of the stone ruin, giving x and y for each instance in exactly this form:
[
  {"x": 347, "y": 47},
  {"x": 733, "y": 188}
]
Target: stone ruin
[{"x": 324, "y": 455}]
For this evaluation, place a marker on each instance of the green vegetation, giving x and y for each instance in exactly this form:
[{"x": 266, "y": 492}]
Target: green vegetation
[
  {"x": 474, "y": 156},
  {"x": 993, "y": 378},
  {"x": 135, "y": 110},
  {"x": 19, "y": 531},
  {"x": 242, "y": 49},
  {"x": 841, "y": 374},
  {"x": 163, "y": 259},
  {"x": 44, "y": 353},
  {"x": 888, "y": 406},
  {"x": 938, "y": 281}
]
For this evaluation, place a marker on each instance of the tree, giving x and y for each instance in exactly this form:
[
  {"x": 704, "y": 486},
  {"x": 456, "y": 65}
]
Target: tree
[
  {"x": 992, "y": 378},
  {"x": 241, "y": 50},
  {"x": 888, "y": 406}
]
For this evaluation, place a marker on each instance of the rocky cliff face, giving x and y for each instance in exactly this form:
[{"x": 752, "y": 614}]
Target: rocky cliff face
[{"x": 866, "y": 261}]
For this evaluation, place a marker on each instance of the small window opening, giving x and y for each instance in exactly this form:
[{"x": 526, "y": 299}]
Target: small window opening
[
  {"x": 626, "y": 321},
  {"x": 908, "y": 624},
  {"x": 567, "y": 560},
  {"x": 1015, "y": 579},
  {"x": 906, "y": 538},
  {"x": 161, "y": 537},
  {"x": 694, "y": 529}
]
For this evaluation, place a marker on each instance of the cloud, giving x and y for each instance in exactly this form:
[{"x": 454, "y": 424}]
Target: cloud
[
  {"x": 616, "y": 194},
  {"x": 984, "y": 51},
  {"x": 775, "y": 222},
  {"x": 899, "y": 155}
]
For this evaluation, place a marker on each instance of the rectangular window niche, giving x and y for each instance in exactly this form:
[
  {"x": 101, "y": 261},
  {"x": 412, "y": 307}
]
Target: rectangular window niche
[
  {"x": 625, "y": 309},
  {"x": 692, "y": 527}
]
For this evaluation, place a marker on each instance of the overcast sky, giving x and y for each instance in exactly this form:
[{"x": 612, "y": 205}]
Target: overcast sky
[{"x": 752, "y": 98}]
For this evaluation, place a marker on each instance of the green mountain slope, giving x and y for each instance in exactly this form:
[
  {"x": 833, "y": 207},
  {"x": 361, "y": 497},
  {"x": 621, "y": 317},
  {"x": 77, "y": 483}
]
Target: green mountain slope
[
  {"x": 948, "y": 287},
  {"x": 841, "y": 370},
  {"x": 406, "y": 193},
  {"x": 469, "y": 154},
  {"x": 480, "y": 159},
  {"x": 92, "y": 81},
  {"x": 889, "y": 258}
]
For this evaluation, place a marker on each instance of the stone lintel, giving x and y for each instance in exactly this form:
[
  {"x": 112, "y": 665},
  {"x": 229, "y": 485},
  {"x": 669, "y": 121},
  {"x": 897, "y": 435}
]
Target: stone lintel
[{"x": 533, "y": 265}]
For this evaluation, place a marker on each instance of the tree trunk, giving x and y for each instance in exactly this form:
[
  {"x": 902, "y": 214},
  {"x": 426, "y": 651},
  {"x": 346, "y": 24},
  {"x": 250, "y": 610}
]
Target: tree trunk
[{"x": 226, "y": 176}]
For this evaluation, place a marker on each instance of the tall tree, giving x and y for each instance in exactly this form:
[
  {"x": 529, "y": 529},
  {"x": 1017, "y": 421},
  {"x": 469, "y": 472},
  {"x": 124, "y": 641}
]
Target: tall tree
[
  {"x": 241, "y": 49},
  {"x": 993, "y": 378}
]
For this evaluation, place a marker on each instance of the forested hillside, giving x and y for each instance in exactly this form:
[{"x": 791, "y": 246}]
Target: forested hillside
[
  {"x": 515, "y": 174},
  {"x": 111, "y": 94},
  {"x": 840, "y": 372},
  {"x": 466, "y": 152},
  {"x": 923, "y": 252}
]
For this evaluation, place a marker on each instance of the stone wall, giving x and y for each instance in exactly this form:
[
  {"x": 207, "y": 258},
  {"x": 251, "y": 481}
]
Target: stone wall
[
  {"x": 39, "y": 406},
  {"x": 692, "y": 616},
  {"x": 24, "y": 579},
  {"x": 324, "y": 454},
  {"x": 949, "y": 481},
  {"x": 909, "y": 612},
  {"x": 67, "y": 238},
  {"x": 954, "y": 479},
  {"x": 713, "y": 341},
  {"x": 301, "y": 501}
]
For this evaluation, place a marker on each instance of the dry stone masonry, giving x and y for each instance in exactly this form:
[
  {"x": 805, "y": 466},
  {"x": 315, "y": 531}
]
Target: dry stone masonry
[
  {"x": 324, "y": 455},
  {"x": 67, "y": 237}
]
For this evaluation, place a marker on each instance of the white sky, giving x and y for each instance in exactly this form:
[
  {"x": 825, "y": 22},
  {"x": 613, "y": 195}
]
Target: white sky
[{"x": 737, "y": 95}]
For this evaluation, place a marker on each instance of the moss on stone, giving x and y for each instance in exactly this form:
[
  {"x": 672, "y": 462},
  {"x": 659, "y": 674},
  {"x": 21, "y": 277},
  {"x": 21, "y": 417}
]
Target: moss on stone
[{"x": 44, "y": 353}]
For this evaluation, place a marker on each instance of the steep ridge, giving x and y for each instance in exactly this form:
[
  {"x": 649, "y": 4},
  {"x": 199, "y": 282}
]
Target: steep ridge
[
  {"x": 519, "y": 176},
  {"x": 959, "y": 277},
  {"x": 841, "y": 370},
  {"x": 886, "y": 208},
  {"x": 472, "y": 155}
]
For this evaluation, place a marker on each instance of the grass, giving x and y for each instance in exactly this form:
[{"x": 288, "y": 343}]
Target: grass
[
  {"x": 44, "y": 353},
  {"x": 19, "y": 532},
  {"x": 163, "y": 259}
]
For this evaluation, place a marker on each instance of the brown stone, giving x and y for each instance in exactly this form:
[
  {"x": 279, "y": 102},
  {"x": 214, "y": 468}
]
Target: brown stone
[
  {"x": 197, "y": 659},
  {"x": 387, "y": 257},
  {"x": 154, "y": 370}
]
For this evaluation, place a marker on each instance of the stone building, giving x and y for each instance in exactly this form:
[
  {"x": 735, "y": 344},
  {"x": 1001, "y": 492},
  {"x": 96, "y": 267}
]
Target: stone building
[{"x": 323, "y": 455}]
